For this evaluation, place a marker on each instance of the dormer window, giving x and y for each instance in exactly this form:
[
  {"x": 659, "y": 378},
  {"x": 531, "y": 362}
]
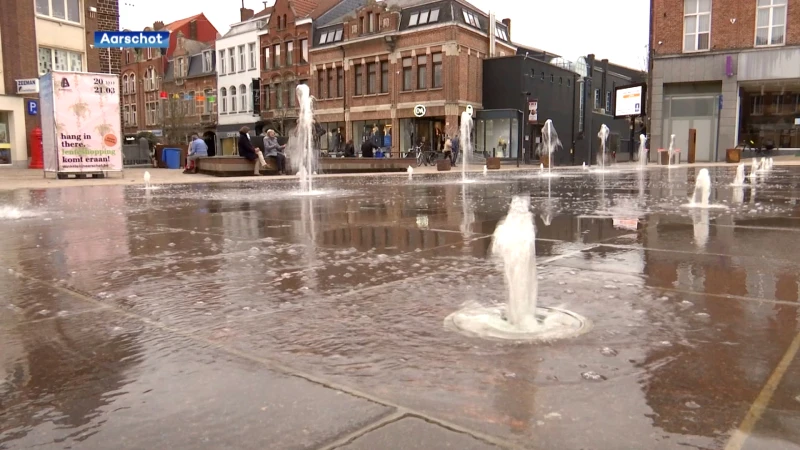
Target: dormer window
[
  {"x": 424, "y": 17},
  {"x": 331, "y": 36},
  {"x": 207, "y": 61},
  {"x": 471, "y": 19},
  {"x": 500, "y": 33},
  {"x": 180, "y": 67}
]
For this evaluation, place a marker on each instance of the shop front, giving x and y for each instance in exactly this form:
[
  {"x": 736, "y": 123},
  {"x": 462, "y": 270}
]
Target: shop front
[
  {"x": 228, "y": 136},
  {"x": 13, "y": 143},
  {"x": 497, "y": 134},
  {"x": 769, "y": 115}
]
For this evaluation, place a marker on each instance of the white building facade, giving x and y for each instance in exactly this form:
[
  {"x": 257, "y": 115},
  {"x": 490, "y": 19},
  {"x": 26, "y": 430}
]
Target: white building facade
[{"x": 238, "y": 67}]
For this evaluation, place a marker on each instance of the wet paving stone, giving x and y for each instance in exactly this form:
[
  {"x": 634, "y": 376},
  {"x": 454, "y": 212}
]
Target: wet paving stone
[{"x": 167, "y": 318}]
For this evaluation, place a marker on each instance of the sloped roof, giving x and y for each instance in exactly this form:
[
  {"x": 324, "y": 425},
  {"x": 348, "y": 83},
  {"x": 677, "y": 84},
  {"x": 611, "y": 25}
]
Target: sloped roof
[
  {"x": 179, "y": 23},
  {"x": 264, "y": 12},
  {"x": 303, "y": 8}
]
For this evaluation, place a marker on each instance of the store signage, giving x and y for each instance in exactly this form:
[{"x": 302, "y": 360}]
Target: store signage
[
  {"x": 470, "y": 110},
  {"x": 28, "y": 86},
  {"x": 419, "y": 110},
  {"x": 533, "y": 111},
  {"x": 629, "y": 100}
]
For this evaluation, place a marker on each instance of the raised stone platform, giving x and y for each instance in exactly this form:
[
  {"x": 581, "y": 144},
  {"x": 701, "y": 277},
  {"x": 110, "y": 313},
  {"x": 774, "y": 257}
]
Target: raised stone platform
[
  {"x": 234, "y": 166},
  {"x": 357, "y": 165}
]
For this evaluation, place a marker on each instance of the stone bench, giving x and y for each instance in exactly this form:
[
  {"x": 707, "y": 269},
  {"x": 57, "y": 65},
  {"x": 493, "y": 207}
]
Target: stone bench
[
  {"x": 364, "y": 165},
  {"x": 234, "y": 166}
]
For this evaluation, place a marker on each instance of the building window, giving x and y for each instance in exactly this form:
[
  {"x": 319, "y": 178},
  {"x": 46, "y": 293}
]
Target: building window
[
  {"x": 471, "y": 18},
  {"x": 266, "y": 58},
  {"x": 304, "y": 51},
  {"x": 276, "y": 56},
  {"x": 222, "y": 62},
  {"x": 422, "y": 72},
  {"x": 126, "y": 118},
  {"x": 552, "y": 78},
  {"x": 359, "y": 85},
  {"x": 361, "y": 28},
  {"x": 770, "y": 22},
  {"x": 60, "y": 9},
  {"x": 320, "y": 84},
  {"x": 244, "y": 105},
  {"x": 372, "y": 78},
  {"x": 437, "y": 70},
  {"x": 232, "y": 91},
  {"x": 207, "y": 61},
  {"x": 757, "y": 105},
  {"x": 265, "y": 88},
  {"x": 331, "y": 81},
  {"x": 191, "y": 104},
  {"x": 597, "y": 99},
  {"x": 289, "y": 53},
  {"x": 133, "y": 115},
  {"x": 62, "y": 60},
  {"x": 251, "y": 50},
  {"x": 149, "y": 53},
  {"x": 279, "y": 95},
  {"x": 125, "y": 85},
  {"x": 407, "y": 74},
  {"x": 339, "y": 82},
  {"x": 384, "y": 77},
  {"x": 370, "y": 22},
  {"x": 542, "y": 75},
  {"x": 608, "y": 101},
  {"x": 232, "y": 60},
  {"x": 208, "y": 107},
  {"x": 500, "y": 33},
  {"x": 696, "y": 25},
  {"x": 150, "y": 82},
  {"x": 132, "y": 81},
  {"x": 127, "y": 57},
  {"x": 224, "y": 94},
  {"x": 242, "y": 59},
  {"x": 180, "y": 68},
  {"x": 569, "y": 82},
  {"x": 151, "y": 117},
  {"x": 291, "y": 91}
]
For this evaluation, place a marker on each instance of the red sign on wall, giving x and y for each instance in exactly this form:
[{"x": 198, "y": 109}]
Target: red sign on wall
[{"x": 162, "y": 94}]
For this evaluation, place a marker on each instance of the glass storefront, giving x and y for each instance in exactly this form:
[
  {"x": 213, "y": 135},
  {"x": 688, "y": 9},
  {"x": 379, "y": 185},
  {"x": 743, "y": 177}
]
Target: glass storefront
[
  {"x": 334, "y": 139},
  {"x": 378, "y": 130},
  {"x": 5, "y": 138},
  {"x": 497, "y": 135},
  {"x": 768, "y": 117},
  {"x": 428, "y": 132}
]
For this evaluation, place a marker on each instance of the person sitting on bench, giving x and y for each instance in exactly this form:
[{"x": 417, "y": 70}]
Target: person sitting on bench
[
  {"x": 197, "y": 150},
  {"x": 275, "y": 150},
  {"x": 367, "y": 149},
  {"x": 250, "y": 153}
]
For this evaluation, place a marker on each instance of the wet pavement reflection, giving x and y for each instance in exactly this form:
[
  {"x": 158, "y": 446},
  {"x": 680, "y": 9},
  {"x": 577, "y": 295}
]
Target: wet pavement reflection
[{"x": 242, "y": 315}]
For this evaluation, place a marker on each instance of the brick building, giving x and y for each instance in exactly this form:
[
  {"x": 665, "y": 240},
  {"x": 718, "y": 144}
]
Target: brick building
[
  {"x": 39, "y": 36},
  {"x": 188, "y": 94},
  {"x": 731, "y": 71},
  {"x": 143, "y": 73},
  {"x": 402, "y": 70},
  {"x": 285, "y": 44}
]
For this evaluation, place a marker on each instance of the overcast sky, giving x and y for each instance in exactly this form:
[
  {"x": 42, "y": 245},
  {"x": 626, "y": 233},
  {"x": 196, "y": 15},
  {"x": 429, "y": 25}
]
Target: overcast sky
[{"x": 613, "y": 29}]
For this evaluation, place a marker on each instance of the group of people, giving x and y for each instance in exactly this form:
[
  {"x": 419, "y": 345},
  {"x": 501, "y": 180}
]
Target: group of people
[{"x": 255, "y": 149}]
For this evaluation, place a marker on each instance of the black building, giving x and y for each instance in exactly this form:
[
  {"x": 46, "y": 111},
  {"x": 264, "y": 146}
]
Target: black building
[{"x": 576, "y": 96}]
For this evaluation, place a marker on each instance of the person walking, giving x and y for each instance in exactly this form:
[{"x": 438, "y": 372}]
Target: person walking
[
  {"x": 454, "y": 143},
  {"x": 250, "y": 153},
  {"x": 275, "y": 150},
  {"x": 197, "y": 149},
  {"x": 447, "y": 150}
]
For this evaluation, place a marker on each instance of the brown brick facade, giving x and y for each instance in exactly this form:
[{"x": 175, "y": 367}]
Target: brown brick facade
[
  {"x": 733, "y": 25},
  {"x": 137, "y": 64},
  {"x": 278, "y": 101},
  {"x": 461, "y": 50}
]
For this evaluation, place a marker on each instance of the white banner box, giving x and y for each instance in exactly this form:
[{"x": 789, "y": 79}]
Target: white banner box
[{"x": 81, "y": 130}]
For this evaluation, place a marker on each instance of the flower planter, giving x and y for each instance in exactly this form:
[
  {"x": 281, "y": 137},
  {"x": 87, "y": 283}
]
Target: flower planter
[
  {"x": 733, "y": 155},
  {"x": 493, "y": 163},
  {"x": 443, "y": 165}
]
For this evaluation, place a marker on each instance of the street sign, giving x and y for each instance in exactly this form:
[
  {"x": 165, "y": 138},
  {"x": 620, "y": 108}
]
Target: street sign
[{"x": 32, "y": 106}]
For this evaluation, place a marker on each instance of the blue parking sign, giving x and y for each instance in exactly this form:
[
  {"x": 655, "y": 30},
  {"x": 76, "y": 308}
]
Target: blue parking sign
[{"x": 32, "y": 107}]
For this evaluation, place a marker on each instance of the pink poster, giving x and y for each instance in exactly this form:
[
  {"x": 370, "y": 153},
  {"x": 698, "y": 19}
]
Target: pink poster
[{"x": 87, "y": 122}]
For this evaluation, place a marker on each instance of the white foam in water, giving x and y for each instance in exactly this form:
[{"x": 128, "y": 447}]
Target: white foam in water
[
  {"x": 410, "y": 171},
  {"x": 514, "y": 244},
  {"x": 14, "y": 213},
  {"x": 702, "y": 192},
  {"x": 485, "y": 170},
  {"x": 738, "y": 180},
  {"x": 465, "y": 141}
]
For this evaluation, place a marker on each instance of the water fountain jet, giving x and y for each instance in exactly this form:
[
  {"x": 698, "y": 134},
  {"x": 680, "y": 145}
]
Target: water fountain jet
[
  {"x": 603, "y": 135},
  {"x": 738, "y": 180},
  {"x": 304, "y": 143},
  {"x": 465, "y": 141},
  {"x": 642, "y": 152},
  {"x": 519, "y": 319},
  {"x": 550, "y": 142},
  {"x": 702, "y": 192}
]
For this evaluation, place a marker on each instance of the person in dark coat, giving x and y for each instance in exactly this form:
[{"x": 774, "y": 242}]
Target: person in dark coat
[
  {"x": 367, "y": 149},
  {"x": 349, "y": 149},
  {"x": 250, "y": 153}
]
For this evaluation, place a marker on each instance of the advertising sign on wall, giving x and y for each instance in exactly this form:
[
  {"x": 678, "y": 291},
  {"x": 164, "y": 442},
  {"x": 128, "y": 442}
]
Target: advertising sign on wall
[
  {"x": 81, "y": 122},
  {"x": 629, "y": 100},
  {"x": 533, "y": 111}
]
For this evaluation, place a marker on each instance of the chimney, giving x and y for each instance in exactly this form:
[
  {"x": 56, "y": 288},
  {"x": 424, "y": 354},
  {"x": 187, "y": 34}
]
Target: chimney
[
  {"x": 590, "y": 65},
  {"x": 246, "y": 14},
  {"x": 492, "y": 39},
  {"x": 158, "y": 26},
  {"x": 507, "y": 23}
]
